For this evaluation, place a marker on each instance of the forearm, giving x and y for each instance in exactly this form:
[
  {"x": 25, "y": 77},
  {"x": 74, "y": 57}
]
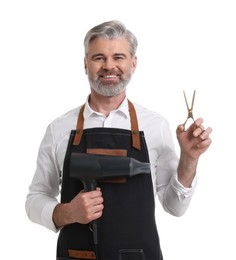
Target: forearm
[
  {"x": 193, "y": 143},
  {"x": 61, "y": 215},
  {"x": 186, "y": 170}
]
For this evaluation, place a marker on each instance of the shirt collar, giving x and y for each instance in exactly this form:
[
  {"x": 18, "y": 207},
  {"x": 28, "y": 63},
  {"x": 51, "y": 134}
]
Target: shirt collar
[{"x": 123, "y": 109}]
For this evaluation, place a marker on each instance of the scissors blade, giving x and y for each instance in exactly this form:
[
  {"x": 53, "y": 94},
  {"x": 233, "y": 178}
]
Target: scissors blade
[
  {"x": 190, "y": 109},
  {"x": 186, "y": 100},
  {"x": 193, "y": 98}
]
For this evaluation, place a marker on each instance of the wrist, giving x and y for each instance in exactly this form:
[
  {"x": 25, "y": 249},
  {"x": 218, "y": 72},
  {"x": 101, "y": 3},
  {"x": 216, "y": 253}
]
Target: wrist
[
  {"x": 186, "y": 170},
  {"x": 59, "y": 215}
]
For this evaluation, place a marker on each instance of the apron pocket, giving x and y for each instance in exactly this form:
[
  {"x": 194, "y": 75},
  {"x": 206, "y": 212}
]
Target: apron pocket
[{"x": 131, "y": 254}]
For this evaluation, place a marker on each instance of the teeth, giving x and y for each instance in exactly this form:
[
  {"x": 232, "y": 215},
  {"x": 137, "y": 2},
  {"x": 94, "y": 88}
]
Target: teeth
[{"x": 110, "y": 76}]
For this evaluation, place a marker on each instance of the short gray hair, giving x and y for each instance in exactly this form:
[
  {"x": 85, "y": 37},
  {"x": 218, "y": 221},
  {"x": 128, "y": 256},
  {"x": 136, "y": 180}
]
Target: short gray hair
[{"x": 111, "y": 30}]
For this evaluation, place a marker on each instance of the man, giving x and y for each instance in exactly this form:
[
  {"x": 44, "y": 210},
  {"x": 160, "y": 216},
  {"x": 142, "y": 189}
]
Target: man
[{"x": 109, "y": 124}]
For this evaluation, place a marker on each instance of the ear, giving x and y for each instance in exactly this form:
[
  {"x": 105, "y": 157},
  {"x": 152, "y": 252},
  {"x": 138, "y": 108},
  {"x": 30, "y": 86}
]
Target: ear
[
  {"x": 134, "y": 63},
  {"x": 85, "y": 66}
]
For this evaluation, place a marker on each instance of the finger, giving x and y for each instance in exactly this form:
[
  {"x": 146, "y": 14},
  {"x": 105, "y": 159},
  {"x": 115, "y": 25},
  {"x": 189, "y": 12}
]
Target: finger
[
  {"x": 96, "y": 212},
  {"x": 97, "y": 201},
  {"x": 92, "y": 194},
  {"x": 93, "y": 206},
  {"x": 205, "y": 134},
  {"x": 205, "y": 143},
  {"x": 197, "y": 127},
  {"x": 180, "y": 129},
  {"x": 198, "y": 131},
  {"x": 83, "y": 191},
  {"x": 98, "y": 208},
  {"x": 198, "y": 122},
  {"x": 96, "y": 215}
]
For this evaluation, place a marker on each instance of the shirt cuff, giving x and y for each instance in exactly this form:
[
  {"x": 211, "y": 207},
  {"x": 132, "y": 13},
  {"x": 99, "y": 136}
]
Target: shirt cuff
[
  {"x": 182, "y": 191},
  {"x": 46, "y": 216}
]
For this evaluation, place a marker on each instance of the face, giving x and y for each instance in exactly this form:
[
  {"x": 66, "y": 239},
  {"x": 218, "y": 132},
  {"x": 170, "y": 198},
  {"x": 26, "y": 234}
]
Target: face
[{"x": 109, "y": 65}]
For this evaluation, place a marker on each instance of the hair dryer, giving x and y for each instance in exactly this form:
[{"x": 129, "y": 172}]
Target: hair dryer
[{"x": 89, "y": 167}]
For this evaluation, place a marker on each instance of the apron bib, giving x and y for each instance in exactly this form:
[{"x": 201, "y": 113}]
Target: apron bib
[{"x": 127, "y": 228}]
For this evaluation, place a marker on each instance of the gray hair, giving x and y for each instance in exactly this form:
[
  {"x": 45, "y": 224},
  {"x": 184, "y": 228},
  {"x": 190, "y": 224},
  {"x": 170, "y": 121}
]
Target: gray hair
[{"x": 111, "y": 30}]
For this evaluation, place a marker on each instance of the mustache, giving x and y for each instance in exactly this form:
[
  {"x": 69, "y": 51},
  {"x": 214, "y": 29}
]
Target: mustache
[{"x": 108, "y": 72}]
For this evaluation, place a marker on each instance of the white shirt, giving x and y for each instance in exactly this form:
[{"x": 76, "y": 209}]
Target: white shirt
[{"x": 45, "y": 187}]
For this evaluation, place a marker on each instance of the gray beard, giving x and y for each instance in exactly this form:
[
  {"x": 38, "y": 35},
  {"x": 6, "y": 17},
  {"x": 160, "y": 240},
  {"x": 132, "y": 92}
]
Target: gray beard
[{"x": 106, "y": 90}]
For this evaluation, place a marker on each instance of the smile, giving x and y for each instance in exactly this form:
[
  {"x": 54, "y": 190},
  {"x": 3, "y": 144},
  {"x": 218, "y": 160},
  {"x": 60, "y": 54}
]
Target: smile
[{"x": 109, "y": 76}]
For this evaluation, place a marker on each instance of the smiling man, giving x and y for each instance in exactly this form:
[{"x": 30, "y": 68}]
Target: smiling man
[
  {"x": 109, "y": 124},
  {"x": 109, "y": 66}
]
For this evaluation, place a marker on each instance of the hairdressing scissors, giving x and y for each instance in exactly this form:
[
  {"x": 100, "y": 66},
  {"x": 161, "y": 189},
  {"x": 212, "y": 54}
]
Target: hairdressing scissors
[{"x": 190, "y": 109}]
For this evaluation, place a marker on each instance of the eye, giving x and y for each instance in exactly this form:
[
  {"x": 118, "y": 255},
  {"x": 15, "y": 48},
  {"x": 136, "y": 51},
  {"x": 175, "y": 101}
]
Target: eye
[
  {"x": 98, "y": 58},
  {"x": 119, "y": 57}
]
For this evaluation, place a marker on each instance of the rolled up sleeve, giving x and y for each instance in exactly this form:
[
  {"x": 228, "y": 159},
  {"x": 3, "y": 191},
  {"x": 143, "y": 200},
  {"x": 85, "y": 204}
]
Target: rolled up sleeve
[{"x": 44, "y": 189}]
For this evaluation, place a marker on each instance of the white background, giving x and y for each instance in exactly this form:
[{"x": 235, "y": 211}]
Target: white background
[{"x": 183, "y": 45}]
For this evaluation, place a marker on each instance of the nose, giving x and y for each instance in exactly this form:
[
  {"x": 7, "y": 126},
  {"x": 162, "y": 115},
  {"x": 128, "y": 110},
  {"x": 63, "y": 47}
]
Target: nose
[{"x": 109, "y": 64}]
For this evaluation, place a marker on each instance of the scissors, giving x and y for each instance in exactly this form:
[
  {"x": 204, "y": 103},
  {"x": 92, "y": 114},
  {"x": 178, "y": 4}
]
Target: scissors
[{"x": 190, "y": 109}]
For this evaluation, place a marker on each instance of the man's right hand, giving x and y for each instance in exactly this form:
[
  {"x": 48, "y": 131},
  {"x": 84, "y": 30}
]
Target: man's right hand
[{"x": 83, "y": 208}]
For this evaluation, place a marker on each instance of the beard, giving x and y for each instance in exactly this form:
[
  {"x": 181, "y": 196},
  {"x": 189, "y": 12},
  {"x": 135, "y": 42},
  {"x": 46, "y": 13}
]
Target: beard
[{"x": 109, "y": 89}]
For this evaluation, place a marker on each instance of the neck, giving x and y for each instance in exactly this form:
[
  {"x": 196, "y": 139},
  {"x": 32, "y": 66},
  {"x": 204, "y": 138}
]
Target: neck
[{"x": 104, "y": 104}]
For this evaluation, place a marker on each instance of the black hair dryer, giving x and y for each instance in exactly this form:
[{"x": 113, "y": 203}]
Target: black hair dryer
[{"x": 88, "y": 168}]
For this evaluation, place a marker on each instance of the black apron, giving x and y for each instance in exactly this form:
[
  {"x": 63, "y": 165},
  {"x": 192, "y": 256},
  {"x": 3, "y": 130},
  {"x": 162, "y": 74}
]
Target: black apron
[{"x": 127, "y": 228}]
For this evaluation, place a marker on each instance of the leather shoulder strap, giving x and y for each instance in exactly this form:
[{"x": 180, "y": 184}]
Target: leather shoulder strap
[
  {"x": 80, "y": 126},
  {"x": 133, "y": 121},
  {"x": 134, "y": 127}
]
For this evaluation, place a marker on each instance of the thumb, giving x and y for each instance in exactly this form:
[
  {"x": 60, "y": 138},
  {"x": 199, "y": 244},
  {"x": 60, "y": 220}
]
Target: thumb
[{"x": 180, "y": 129}]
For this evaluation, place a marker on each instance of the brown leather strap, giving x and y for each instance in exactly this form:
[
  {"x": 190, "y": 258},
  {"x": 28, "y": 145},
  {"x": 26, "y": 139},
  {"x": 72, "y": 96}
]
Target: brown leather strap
[
  {"x": 133, "y": 121},
  {"x": 102, "y": 151},
  {"x": 80, "y": 126},
  {"x": 134, "y": 127},
  {"x": 81, "y": 254}
]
